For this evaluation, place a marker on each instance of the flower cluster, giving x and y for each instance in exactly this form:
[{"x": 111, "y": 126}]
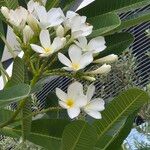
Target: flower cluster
[
  {"x": 76, "y": 101},
  {"x": 55, "y": 30},
  {"x": 64, "y": 36}
]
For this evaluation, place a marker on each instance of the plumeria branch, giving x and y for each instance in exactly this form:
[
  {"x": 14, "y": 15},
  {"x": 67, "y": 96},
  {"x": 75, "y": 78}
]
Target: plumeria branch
[{"x": 39, "y": 112}]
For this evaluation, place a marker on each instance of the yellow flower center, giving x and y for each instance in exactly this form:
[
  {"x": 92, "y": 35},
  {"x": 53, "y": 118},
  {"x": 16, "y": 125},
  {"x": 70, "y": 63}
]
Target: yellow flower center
[
  {"x": 47, "y": 50},
  {"x": 70, "y": 102},
  {"x": 75, "y": 66}
]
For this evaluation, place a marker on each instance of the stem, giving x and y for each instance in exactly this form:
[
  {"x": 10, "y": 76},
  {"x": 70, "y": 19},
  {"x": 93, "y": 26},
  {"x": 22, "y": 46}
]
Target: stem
[
  {"x": 4, "y": 71},
  {"x": 22, "y": 103},
  {"x": 39, "y": 112}
]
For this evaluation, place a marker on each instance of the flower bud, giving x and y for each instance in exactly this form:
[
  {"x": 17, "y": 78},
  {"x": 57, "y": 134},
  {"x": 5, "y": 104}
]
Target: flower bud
[
  {"x": 104, "y": 69},
  {"x": 27, "y": 34},
  {"x": 60, "y": 32},
  {"x": 5, "y": 12},
  {"x": 89, "y": 78},
  {"x": 64, "y": 41},
  {"x": 33, "y": 23},
  {"x": 108, "y": 59}
]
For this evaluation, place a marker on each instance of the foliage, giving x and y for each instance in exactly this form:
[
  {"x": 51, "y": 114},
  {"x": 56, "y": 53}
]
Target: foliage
[{"x": 51, "y": 128}]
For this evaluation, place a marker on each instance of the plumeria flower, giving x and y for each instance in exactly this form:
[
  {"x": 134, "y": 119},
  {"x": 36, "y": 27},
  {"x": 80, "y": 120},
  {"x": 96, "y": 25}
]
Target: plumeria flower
[
  {"x": 17, "y": 17},
  {"x": 47, "y": 47},
  {"x": 93, "y": 107},
  {"x": 77, "y": 60},
  {"x": 95, "y": 45},
  {"x": 52, "y": 18},
  {"x": 78, "y": 25},
  {"x": 73, "y": 100},
  {"x": 32, "y": 6}
]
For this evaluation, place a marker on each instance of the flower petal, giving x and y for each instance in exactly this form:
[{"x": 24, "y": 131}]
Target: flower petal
[
  {"x": 96, "y": 105},
  {"x": 94, "y": 114},
  {"x": 58, "y": 43},
  {"x": 75, "y": 53},
  {"x": 75, "y": 90},
  {"x": 73, "y": 112},
  {"x": 82, "y": 42},
  {"x": 64, "y": 60},
  {"x": 97, "y": 44},
  {"x": 45, "y": 38},
  {"x": 41, "y": 13},
  {"x": 63, "y": 104},
  {"x": 86, "y": 59},
  {"x": 37, "y": 48},
  {"x": 90, "y": 92},
  {"x": 61, "y": 94},
  {"x": 81, "y": 101},
  {"x": 55, "y": 16}
]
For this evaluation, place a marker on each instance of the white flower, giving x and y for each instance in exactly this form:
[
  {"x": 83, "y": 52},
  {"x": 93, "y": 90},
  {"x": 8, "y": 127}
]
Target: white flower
[
  {"x": 93, "y": 106},
  {"x": 95, "y": 45},
  {"x": 52, "y": 18},
  {"x": 77, "y": 24},
  {"x": 77, "y": 59},
  {"x": 32, "y": 6},
  {"x": 107, "y": 59},
  {"x": 17, "y": 17},
  {"x": 27, "y": 34},
  {"x": 47, "y": 47},
  {"x": 73, "y": 100},
  {"x": 104, "y": 69}
]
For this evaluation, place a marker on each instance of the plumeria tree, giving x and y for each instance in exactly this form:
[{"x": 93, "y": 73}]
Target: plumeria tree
[{"x": 57, "y": 42}]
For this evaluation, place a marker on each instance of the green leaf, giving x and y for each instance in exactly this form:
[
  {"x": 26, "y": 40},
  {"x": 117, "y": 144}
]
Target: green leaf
[
  {"x": 99, "y": 7},
  {"x": 5, "y": 115},
  {"x": 14, "y": 94},
  {"x": 116, "y": 43},
  {"x": 119, "y": 108},
  {"x": 18, "y": 73},
  {"x": 67, "y": 4},
  {"x": 79, "y": 135},
  {"x": 52, "y": 3},
  {"x": 104, "y": 23},
  {"x": 11, "y": 4},
  {"x": 118, "y": 139},
  {"x": 27, "y": 118},
  {"x": 133, "y": 20},
  {"x": 44, "y": 132}
]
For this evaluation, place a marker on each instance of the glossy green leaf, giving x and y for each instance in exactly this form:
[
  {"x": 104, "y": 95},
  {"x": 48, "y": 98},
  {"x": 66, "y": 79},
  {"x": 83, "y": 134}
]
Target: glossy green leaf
[
  {"x": 18, "y": 73},
  {"x": 14, "y": 94},
  {"x": 52, "y": 3},
  {"x": 11, "y": 4},
  {"x": 116, "y": 43},
  {"x": 133, "y": 20},
  {"x": 5, "y": 115},
  {"x": 121, "y": 135},
  {"x": 119, "y": 108},
  {"x": 78, "y": 135},
  {"x": 104, "y": 23},
  {"x": 99, "y": 7},
  {"x": 44, "y": 132}
]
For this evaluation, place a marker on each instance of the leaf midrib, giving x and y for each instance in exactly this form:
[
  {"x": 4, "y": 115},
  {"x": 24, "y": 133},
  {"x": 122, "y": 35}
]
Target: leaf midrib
[
  {"x": 78, "y": 137},
  {"x": 109, "y": 126}
]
